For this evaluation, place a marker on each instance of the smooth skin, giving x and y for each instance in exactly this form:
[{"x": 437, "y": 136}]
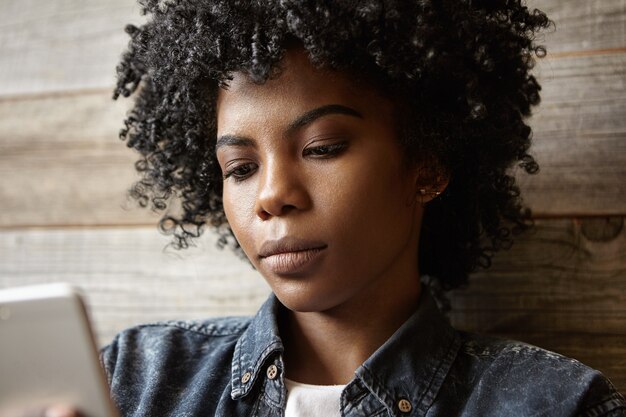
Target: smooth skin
[{"x": 310, "y": 156}]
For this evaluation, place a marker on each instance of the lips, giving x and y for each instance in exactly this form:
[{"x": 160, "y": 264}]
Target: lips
[{"x": 290, "y": 255}]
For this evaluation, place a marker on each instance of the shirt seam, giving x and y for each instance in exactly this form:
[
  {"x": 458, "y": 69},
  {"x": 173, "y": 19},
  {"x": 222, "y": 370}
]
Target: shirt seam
[
  {"x": 381, "y": 387},
  {"x": 175, "y": 325},
  {"x": 347, "y": 406},
  {"x": 255, "y": 367},
  {"x": 609, "y": 404},
  {"x": 427, "y": 399}
]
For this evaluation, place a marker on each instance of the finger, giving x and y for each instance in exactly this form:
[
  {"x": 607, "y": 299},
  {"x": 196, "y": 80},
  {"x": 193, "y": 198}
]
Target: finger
[{"x": 61, "y": 411}]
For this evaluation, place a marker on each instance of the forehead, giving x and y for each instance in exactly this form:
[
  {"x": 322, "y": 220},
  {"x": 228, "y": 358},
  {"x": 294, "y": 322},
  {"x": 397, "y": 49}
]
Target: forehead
[{"x": 299, "y": 87}]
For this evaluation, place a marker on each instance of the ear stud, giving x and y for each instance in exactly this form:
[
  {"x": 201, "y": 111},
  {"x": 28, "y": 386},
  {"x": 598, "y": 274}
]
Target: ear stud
[{"x": 423, "y": 191}]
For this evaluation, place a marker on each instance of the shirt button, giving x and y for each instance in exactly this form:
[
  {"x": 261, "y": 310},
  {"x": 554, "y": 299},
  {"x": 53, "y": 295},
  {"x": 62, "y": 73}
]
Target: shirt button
[
  {"x": 246, "y": 377},
  {"x": 272, "y": 371},
  {"x": 404, "y": 406}
]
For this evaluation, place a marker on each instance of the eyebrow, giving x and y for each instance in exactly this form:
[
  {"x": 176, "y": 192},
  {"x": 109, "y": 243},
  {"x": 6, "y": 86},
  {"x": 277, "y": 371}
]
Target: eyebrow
[
  {"x": 316, "y": 113},
  {"x": 233, "y": 140},
  {"x": 298, "y": 123}
]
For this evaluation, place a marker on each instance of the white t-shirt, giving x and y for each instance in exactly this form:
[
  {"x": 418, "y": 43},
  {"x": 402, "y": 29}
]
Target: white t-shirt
[{"x": 304, "y": 400}]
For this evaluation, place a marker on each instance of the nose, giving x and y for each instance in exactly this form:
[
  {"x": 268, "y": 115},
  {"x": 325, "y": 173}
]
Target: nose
[{"x": 282, "y": 190}]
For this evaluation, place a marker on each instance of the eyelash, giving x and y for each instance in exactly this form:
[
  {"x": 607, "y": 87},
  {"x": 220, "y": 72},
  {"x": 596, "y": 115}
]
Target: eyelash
[
  {"x": 325, "y": 151},
  {"x": 242, "y": 171},
  {"x": 236, "y": 172}
]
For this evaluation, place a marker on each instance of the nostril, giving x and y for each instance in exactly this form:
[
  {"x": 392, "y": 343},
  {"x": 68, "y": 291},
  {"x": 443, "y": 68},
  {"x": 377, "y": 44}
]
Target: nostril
[{"x": 264, "y": 215}]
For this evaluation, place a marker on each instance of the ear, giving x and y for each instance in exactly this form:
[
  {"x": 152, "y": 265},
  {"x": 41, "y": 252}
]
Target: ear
[{"x": 431, "y": 179}]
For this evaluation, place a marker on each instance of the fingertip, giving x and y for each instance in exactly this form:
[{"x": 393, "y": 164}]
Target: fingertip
[{"x": 61, "y": 411}]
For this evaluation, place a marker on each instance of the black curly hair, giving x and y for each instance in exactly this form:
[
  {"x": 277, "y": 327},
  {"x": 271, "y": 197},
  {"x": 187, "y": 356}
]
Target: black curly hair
[{"x": 460, "y": 68}]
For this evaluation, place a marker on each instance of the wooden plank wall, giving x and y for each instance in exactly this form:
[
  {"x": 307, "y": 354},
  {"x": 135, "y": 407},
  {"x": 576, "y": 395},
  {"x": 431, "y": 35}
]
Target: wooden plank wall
[{"x": 63, "y": 176}]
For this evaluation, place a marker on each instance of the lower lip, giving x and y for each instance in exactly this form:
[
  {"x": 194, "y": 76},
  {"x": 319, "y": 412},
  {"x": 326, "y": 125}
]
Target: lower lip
[{"x": 291, "y": 263}]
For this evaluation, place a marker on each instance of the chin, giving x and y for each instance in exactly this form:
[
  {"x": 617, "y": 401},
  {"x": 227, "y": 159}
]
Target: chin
[{"x": 303, "y": 301}]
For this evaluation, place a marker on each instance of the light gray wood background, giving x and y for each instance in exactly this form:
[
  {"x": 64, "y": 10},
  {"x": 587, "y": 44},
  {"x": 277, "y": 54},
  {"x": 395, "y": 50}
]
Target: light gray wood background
[{"x": 64, "y": 214}]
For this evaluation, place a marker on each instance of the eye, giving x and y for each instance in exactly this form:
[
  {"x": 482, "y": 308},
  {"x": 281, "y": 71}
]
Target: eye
[
  {"x": 239, "y": 172},
  {"x": 325, "y": 151}
]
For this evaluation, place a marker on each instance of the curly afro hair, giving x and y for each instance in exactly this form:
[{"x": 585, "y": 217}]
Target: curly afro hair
[{"x": 460, "y": 69}]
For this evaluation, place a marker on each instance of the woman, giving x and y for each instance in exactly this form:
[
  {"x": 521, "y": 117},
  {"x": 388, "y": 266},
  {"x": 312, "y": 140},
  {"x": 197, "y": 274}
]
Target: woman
[{"x": 350, "y": 150}]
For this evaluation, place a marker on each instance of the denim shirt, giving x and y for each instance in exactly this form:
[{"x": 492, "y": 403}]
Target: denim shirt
[{"x": 223, "y": 367}]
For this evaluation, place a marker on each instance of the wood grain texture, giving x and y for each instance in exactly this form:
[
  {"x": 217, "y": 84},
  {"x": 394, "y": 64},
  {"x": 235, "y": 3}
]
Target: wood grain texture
[
  {"x": 62, "y": 153},
  {"x": 61, "y": 45},
  {"x": 577, "y": 284},
  {"x": 562, "y": 287},
  {"x": 129, "y": 275},
  {"x": 583, "y": 25},
  {"x": 555, "y": 288},
  {"x": 579, "y": 138}
]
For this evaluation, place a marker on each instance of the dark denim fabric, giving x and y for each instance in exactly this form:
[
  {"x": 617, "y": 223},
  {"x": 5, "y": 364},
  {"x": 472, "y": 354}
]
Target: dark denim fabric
[{"x": 218, "y": 368}]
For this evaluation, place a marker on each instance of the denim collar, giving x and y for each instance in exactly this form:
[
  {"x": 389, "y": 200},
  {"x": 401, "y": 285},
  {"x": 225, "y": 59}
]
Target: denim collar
[
  {"x": 412, "y": 364},
  {"x": 256, "y": 344}
]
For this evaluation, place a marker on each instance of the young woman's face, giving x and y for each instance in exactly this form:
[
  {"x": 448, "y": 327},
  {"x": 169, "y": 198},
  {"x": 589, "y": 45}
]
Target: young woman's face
[{"x": 316, "y": 189}]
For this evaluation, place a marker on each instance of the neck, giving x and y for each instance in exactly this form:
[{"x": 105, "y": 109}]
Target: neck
[{"x": 326, "y": 348}]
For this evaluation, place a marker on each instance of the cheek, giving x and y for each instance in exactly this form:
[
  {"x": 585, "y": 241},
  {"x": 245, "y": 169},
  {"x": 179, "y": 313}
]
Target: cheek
[
  {"x": 372, "y": 192},
  {"x": 239, "y": 203},
  {"x": 370, "y": 207}
]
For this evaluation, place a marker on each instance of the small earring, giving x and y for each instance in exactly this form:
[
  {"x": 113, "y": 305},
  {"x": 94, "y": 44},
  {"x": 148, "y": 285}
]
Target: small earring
[{"x": 423, "y": 191}]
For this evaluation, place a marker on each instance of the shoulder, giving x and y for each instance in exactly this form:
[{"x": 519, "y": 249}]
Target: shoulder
[
  {"x": 519, "y": 376},
  {"x": 152, "y": 346},
  {"x": 213, "y": 327},
  {"x": 519, "y": 362},
  {"x": 177, "y": 362}
]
